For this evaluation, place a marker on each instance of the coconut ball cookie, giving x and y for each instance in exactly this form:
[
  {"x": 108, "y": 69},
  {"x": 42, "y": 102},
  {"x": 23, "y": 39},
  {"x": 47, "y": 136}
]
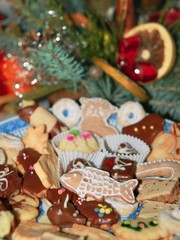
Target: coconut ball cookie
[
  {"x": 129, "y": 113},
  {"x": 67, "y": 111}
]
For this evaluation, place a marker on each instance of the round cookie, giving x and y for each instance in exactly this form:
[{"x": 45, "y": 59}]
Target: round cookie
[
  {"x": 67, "y": 111},
  {"x": 129, "y": 113}
]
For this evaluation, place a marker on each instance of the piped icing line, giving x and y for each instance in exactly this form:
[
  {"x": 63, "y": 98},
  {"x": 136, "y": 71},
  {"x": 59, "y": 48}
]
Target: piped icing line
[
  {"x": 3, "y": 174},
  {"x": 164, "y": 168},
  {"x": 98, "y": 184}
]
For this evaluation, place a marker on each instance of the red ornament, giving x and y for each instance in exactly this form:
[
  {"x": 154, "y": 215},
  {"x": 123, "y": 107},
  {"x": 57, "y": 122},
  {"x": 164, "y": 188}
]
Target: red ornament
[
  {"x": 14, "y": 77},
  {"x": 139, "y": 71}
]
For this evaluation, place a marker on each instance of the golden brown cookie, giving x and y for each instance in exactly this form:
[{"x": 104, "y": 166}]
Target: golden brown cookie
[
  {"x": 90, "y": 233},
  {"x": 36, "y": 138},
  {"x": 163, "y": 147},
  {"x": 31, "y": 230},
  {"x": 46, "y": 168},
  {"x": 140, "y": 229}
]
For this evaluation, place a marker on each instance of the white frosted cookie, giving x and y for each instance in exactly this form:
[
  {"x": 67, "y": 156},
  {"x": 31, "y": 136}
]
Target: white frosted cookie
[
  {"x": 129, "y": 113},
  {"x": 67, "y": 111}
]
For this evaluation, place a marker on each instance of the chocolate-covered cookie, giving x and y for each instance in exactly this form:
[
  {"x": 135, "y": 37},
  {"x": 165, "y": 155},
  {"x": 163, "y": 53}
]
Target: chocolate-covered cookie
[
  {"x": 146, "y": 129},
  {"x": 99, "y": 214},
  {"x": 119, "y": 169},
  {"x": 10, "y": 182},
  {"x": 64, "y": 214},
  {"x": 57, "y": 195}
]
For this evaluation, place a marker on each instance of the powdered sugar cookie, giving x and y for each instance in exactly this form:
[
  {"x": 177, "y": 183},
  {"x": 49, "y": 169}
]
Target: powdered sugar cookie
[
  {"x": 95, "y": 113},
  {"x": 129, "y": 113},
  {"x": 67, "y": 111}
]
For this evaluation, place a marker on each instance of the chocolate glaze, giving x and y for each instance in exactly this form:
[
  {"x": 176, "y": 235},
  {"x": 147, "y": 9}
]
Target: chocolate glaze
[
  {"x": 32, "y": 184},
  {"x": 146, "y": 129},
  {"x": 26, "y": 112},
  {"x": 10, "y": 182},
  {"x": 58, "y": 128},
  {"x": 58, "y": 195},
  {"x": 98, "y": 213},
  {"x": 119, "y": 169},
  {"x": 65, "y": 215},
  {"x": 27, "y": 157}
]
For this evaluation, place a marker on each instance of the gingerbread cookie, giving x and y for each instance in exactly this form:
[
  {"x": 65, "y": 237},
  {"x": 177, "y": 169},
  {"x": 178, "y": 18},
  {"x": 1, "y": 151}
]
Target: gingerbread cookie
[
  {"x": 67, "y": 111},
  {"x": 129, "y": 113},
  {"x": 158, "y": 190},
  {"x": 154, "y": 208},
  {"x": 95, "y": 114},
  {"x": 159, "y": 169},
  {"x": 140, "y": 229},
  {"x": 98, "y": 184},
  {"x": 146, "y": 129},
  {"x": 163, "y": 147}
]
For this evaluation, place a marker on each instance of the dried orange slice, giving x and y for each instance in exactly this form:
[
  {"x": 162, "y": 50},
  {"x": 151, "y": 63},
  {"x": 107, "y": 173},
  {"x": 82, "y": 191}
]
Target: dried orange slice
[{"x": 157, "y": 47}]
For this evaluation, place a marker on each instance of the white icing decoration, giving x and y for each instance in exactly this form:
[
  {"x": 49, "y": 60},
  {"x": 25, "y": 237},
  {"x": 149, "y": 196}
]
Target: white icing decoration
[
  {"x": 3, "y": 174},
  {"x": 99, "y": 184},
  {"x": 66, "y": 201},
  {"x": 120, "y": 165}
]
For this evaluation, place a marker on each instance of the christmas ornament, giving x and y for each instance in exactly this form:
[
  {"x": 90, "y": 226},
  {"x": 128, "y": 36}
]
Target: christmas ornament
[
  {"x": 16, "y": 77},
  {"x": 146, "y": 53}
]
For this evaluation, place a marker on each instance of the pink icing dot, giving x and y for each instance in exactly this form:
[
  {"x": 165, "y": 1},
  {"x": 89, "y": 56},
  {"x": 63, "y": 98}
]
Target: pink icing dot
[
  {"x": 86, "y": 135},
  {"x": 70, "y": 137}
]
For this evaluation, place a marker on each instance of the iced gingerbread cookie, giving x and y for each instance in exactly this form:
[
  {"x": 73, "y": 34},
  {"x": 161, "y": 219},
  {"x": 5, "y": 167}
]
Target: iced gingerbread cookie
[
  {"x": 96, "y": 183},
  {"x": 129, "y": 113},
  {"x": 95, "y": 114},
  {"x": 67, "y": 111},
  {"x": 146, "y": 129}
]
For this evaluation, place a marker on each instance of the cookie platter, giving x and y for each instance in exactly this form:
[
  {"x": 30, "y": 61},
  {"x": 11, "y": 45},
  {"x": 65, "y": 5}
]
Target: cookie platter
[{"x": 146, "y": 211}]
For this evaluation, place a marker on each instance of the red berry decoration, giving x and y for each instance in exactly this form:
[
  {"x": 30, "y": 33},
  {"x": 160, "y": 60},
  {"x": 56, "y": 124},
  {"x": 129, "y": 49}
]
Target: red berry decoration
[{"x": 146, "y": 53}]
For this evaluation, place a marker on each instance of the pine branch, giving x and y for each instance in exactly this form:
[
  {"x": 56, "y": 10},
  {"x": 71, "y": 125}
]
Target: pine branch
[{"x": 56, "y": 62}]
